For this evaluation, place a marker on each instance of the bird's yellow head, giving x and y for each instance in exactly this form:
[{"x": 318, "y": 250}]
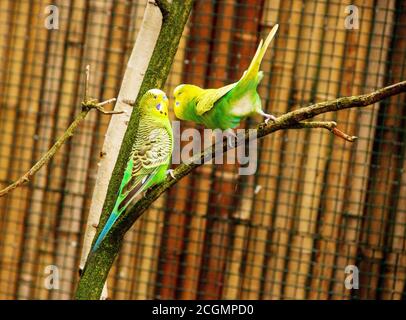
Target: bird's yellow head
[
  {"x": 184, "y": 94},
  {"x": 155, "y": 102}
]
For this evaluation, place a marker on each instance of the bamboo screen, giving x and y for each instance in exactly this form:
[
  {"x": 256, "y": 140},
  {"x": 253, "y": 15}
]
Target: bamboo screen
[{"x": 315, "y": 205}]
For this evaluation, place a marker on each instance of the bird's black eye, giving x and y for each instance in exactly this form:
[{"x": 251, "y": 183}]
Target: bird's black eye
[{"x": 155, "y": 97}]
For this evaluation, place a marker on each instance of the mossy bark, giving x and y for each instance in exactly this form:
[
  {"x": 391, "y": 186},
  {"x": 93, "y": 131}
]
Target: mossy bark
[{"x": 175, "y": 16}]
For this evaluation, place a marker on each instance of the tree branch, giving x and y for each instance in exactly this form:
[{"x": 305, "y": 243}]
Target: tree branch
[
  {"x": 329, "y": 125},
  {"x": 136, "y": 67},
  {"x": 87, "y": 105},
  {"x": 99, "y": 262},
  {"x": 341, "y": 103},
  {"x": 290, "y": 120},
  {"x": 164, "y": 6}
]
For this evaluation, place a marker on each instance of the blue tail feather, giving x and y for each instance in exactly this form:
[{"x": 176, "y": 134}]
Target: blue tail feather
[
  {"x": 118, "y": 209},
  {"x": 109, "y": 224}
]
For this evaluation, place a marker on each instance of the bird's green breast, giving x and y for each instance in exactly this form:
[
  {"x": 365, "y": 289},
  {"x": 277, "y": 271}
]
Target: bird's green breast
[{"x": 227, "y": 112}]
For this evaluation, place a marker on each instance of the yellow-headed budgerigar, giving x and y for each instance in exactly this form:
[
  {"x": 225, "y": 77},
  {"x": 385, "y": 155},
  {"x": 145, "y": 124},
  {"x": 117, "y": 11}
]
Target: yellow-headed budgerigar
[
  {"x": 224, "y": 108},
  {"x": 150, "y": 155}
]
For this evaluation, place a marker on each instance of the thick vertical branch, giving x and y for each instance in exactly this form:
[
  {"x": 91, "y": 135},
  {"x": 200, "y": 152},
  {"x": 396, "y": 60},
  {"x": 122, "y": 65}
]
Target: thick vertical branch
[
  {"x": 133, "y": 77},
  {"x": 98, "y": 264}
]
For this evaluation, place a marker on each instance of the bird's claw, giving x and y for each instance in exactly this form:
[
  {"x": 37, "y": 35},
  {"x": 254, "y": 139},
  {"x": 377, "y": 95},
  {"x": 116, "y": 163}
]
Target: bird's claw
[
  {"x": 230, "y": 137},
  {"x": 269, "y": 117},
  {"x": 171, "y": 173}
]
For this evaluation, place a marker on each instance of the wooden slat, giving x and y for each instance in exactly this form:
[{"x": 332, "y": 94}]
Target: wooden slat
[
  {"x": 12, "y": 207},
  {"x": 353, "y": 82},
  {"x": 218, "y": 71},
  {"x": 181, "y": 196},
  {"x": 338, "y": 169},
  {"x": 387, "y": 170},
  {"x": 6, "y": 16},
  {"x": 222, "y": 199},
  {"x": 395, "y": 273},
  {"x": 42, "y": 199},
  {"x": 311, "y": 38},
  {"x": 121, "y": 277},
  {"x": 381, "y": 29},
  {"x": 31, "y": 93},
  {"x": 239, "y": 230},
  {"x": 329, "y": 79},
  {"x": 272, "y": 163},
  {"x": 393, "y": 285},
  {"x": 244, "y": 271},
  {"x": 68, "y": 225},
  {"x": 149, "y": 239},
  {"x": 60, "y": 96},
  {"x": 5, "y": 37}
]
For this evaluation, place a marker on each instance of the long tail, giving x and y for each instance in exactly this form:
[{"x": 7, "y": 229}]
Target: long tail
[
  {"x": 121, "y": 206},
  {"x": 109, "y": 224},
  {"x": 253, "y": 69}
]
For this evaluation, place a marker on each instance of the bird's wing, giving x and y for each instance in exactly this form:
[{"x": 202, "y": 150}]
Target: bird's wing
[
  {"x": 147, "y": 156},
  {"x": 209, "y": 97}
]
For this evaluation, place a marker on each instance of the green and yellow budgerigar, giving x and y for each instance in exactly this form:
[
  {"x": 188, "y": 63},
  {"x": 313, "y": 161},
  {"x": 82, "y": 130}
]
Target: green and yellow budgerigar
[
  {"x": 224, "y": 108},
  {"x": 150, "y": 155}
]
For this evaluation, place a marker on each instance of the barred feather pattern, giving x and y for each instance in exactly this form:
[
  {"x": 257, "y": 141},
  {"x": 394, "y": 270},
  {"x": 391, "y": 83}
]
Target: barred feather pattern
[{"x": 152, "y": 148}]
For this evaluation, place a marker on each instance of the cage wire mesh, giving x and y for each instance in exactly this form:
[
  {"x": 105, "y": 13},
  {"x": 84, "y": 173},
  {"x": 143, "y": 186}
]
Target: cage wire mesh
[{"x": 315, "y": 205}]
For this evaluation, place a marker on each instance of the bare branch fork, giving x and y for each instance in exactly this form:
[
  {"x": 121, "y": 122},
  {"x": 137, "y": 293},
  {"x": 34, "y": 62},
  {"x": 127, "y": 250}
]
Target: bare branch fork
[{"x": 87, "y": 105}]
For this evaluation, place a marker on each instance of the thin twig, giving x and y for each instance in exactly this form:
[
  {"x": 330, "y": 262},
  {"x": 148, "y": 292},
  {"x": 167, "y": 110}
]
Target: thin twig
[
  {"x": 101, "y": 109},
  {"x": 329, "y": 125},
  {"x": 87, "y": 105},
  {"x": 343, "y": 135},
  {"x": 87, "y": 81},
  {"x": 100, "y": 104},
  {"x": 362, "y": 100}
]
